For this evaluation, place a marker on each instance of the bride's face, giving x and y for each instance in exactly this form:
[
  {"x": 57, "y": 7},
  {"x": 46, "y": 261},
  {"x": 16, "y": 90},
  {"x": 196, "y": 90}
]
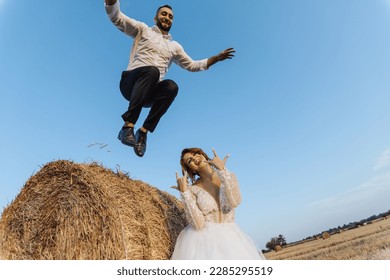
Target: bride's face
[{"x": 194, "y": 161}]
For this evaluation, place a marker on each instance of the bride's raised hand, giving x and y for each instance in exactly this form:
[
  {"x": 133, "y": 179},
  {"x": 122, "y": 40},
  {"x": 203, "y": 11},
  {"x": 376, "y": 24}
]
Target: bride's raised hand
[
  {"x": 182, "y": 182},
  {"x": 217, "y": 162}
]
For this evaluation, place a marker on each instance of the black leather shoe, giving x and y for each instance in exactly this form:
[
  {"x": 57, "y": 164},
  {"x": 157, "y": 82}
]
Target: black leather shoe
[
  {"x": 140, "y": 148},
  {"x": 126, "y": 136}
]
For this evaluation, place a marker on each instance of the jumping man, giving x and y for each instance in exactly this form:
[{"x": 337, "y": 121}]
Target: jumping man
[{"x": 142, "y": 83}]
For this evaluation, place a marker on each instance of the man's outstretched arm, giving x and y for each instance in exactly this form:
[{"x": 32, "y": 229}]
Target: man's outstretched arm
[
  {"x": 125, "y": 24},
  {"x": 226, "y": 54}
]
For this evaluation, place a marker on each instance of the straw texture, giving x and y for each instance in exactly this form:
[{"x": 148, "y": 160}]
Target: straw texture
[{"x": 70, "y": 211}]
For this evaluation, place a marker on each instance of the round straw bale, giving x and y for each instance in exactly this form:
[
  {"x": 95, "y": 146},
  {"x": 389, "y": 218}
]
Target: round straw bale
[
  {"x": 278, "y": 248},
  {"x": 325, "y": 235},
  {"x": 70, "y": 211}
]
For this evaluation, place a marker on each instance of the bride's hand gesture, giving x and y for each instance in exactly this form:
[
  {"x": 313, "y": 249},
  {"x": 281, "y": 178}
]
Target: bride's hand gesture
[
  {"x": 217, "y": 162},
  {"x": 182, "y": 182}
]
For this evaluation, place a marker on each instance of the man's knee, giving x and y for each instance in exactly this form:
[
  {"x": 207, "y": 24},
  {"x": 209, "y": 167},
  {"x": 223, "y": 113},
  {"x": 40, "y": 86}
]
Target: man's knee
[{"x": 171, "y": 87}]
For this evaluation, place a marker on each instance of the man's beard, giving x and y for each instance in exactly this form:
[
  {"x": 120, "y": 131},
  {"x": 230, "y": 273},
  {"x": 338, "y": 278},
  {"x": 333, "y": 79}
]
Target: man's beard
[{"x": 159, "y": 25}]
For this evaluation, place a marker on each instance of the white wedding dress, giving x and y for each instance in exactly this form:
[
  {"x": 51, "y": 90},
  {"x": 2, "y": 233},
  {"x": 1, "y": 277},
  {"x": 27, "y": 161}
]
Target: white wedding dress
[{"x": 213, "y": 233}]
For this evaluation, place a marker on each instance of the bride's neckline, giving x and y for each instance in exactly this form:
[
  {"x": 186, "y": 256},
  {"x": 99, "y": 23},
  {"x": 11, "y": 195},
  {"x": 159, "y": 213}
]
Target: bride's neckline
[{"x": 216, "y": 201}]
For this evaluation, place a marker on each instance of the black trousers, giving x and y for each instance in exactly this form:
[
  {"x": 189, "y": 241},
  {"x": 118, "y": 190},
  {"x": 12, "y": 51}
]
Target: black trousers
[{"x": 142, "y": 88}]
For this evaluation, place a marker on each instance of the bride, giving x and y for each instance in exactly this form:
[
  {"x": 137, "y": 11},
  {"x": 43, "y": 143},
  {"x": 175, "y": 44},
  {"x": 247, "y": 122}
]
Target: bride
[{"x": 209, "y": 203}]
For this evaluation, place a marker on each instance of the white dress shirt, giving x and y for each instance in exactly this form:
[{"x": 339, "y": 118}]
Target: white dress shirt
[{"x": 151, "y": 47}]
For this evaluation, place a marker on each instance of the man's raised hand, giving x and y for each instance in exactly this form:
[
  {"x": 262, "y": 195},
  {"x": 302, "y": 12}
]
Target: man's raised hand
[
  {"x": 110, "y": 2},
  {"x": 226, "y": 54}
]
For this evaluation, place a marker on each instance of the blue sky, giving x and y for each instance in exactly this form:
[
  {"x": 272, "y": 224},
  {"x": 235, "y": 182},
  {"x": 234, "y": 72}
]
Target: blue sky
[{"x": 303, "y": 108}]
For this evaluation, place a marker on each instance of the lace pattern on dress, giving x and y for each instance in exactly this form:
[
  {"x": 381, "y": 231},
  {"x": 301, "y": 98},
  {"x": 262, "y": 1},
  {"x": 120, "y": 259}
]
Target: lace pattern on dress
[
  {"x": 201, "y": 207},
  {"x": 230, "y": 196},
  {"x": 192, "y": 211}
]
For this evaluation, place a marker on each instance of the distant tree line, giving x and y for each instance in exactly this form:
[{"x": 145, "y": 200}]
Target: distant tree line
[{"x": 276, "y": 241}]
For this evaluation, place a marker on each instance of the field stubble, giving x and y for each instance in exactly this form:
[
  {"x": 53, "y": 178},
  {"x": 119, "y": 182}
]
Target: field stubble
[{"x": 368, "y": 242}]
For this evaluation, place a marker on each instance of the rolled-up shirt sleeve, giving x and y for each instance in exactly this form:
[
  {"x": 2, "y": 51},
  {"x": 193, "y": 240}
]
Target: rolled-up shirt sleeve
[{"x": 182, "y": 59}]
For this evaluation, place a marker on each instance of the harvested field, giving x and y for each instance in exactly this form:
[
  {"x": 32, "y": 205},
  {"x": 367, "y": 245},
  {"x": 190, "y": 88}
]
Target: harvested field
[
  {"x": 71, "y": 211},
  {"x": 369, "y": 242}
]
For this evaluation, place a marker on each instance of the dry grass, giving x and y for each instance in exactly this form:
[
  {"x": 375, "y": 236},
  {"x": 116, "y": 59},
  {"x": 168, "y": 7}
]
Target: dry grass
[
  {"x": 83, "y": 211},
  {"x": 369, "y": 242}
]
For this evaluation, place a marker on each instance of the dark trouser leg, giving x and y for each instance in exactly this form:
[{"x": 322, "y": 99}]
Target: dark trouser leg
[
  {"x": 137, "y": 86},
  {"x": 164, "y": 94}
]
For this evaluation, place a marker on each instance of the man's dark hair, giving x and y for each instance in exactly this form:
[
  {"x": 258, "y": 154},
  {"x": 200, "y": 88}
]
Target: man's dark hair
[{"x": 165, "y": 6}]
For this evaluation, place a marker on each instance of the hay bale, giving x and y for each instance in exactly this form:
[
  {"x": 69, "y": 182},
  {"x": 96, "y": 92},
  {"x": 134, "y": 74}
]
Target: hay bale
[
  {"x": 278, "y": 248},
  {"x": 325, "y": 235},
  {"x": 71, "y": 211}
]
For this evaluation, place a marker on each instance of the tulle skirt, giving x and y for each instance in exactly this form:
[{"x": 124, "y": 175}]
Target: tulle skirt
[{"x": 215, "y": 242}]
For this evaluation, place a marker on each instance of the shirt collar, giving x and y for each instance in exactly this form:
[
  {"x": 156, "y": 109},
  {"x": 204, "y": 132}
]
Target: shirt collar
[{"x": 157, "y": 30}]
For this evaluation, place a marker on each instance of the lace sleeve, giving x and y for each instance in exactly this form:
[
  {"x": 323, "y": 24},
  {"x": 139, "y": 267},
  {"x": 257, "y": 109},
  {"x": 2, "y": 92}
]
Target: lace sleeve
[
  {"x": 193, "y": 213},
  {"x": 230, "y": 195}
]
